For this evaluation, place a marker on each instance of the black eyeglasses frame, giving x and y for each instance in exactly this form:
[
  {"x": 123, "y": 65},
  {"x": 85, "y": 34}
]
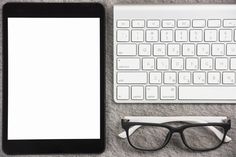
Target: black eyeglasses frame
[{"x": 126, "y": 124}]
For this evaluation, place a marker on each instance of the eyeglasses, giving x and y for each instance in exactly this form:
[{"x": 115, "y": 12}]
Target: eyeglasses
[{"x": 154, "y": 133}]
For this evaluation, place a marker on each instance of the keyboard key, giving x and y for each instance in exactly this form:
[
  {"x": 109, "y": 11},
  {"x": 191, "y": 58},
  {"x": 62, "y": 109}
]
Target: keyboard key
[
  {"x": 166, "y": 35},
  {"x": 210, "y": 35},
  {"x": 137, "y": 35},
  {"x": 137, "y": 92},
  {"x": 168, "y": 23},
  {"x": 122, "y": 35},
  {"x": 126, "y": 50},
  {"x": 184, "y": 23},
  {"x": 162, "y": 63},
  {"x": 214, "y": 23},
  {"x": 199, "y": 77},
  {"x": 231, "y": 49},
  {"x": 213, "y": 77},
  {"x": 199, "y": 23},
  {"x": 234, "y": 35},
  {"x": 173, "y": 49},
  {"x": 138, "y": 23},
  {"x": 148, "y": 64},
  {"x": 233, "y": 63},
  {"x": 153, "y": 23},
  {"x": 196, "y": 35},
  {"x": 177, "y": 63},
  {"x": 225, "y": 35},
  {"x": 170, "y": 77},
  {"x": 155, "y": 77},
  {"x": 207, "y": 93},
  {"x": 206, "y": 63},
  {"x": 151, "y": 92},
  {"x": 184, "y": 77},
  {"x": 192, "y": 64},
  {"x": 188, "y": 49},
  {"x": 221, "y": 63},
  {"x": 122, "y": 92},
  {"x": 228, "y": 77},
  {"x": 132, "y": 77},
  {"x": 230, "y": 23},
  {"x": 123, "y": 23},
  {"x": 159, "y": 50},
  {"x": 168, "y": 92},
  {"x": 181, "y": 35},
  {"x": 218, "y": 49},
  {"x": 128, "y": 63},
  {"x": 203, "y": 49},
  {"x": 144, "y": 50},
  {"x": 151, "y": 35}
]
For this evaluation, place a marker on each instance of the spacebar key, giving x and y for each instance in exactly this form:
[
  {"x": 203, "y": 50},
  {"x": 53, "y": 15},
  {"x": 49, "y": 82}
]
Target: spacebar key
[
  {"x": 131, "y": 77},
  {"x": 207, "y": 93}
]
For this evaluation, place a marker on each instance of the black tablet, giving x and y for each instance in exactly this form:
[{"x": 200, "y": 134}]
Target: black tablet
[{"x": 53, "y": 78}]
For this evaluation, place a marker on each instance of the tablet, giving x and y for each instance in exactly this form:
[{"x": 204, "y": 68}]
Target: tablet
[{"x": 53, "y": 78}]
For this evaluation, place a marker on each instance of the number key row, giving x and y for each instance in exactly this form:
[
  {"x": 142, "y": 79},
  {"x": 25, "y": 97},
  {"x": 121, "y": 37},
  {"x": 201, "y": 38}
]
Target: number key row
[{"x": 197, "y": 35}]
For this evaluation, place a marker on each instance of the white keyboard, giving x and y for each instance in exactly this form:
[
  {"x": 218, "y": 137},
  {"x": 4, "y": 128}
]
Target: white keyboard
[{"x": 175, "y": 53}]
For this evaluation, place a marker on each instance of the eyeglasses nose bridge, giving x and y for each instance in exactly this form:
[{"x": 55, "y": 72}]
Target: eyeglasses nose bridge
[{"x": 176, "y": 130}]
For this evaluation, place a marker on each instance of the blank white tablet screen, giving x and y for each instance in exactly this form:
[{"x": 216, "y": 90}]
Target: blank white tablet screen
[{"x": 53, "y": 78}]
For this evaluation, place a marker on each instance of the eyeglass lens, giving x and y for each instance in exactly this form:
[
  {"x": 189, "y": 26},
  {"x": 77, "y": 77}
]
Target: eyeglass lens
[
  {"x": 149, "y": 137},
  {"x": 202, "y": 137}
]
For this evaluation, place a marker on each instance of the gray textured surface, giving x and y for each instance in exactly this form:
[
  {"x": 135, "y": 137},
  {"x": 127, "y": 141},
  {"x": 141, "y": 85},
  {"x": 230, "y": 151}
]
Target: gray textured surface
[{"x": 116, "y": 147}]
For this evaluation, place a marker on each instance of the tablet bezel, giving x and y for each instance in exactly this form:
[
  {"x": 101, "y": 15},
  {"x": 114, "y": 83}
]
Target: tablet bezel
[{"x": 53, "y": 10}]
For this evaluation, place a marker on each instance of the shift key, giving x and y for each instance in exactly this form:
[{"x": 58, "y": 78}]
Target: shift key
[{"x": 132, "y": 77}]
